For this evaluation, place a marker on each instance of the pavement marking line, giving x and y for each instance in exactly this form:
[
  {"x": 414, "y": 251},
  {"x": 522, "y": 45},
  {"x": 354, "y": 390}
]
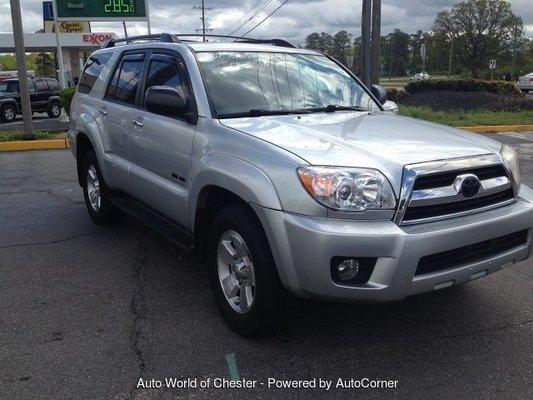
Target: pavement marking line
[
  {"x": 232, "y": 366},
  {"x": 19, "y": 145}
]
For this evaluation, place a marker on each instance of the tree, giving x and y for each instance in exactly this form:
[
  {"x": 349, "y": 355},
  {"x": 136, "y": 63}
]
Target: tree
[
  {"x": 313, "y": 41},
  {"x": 44, "y": 64},
  {"x": 480, "y": 30},
  {"x": 341, "y": 46},
  {"x": 398, "y": 52}
]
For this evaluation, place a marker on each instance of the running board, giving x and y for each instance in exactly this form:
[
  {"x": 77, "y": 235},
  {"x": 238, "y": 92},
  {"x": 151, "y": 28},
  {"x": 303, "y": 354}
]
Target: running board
[{"x": 157, "y": 222}]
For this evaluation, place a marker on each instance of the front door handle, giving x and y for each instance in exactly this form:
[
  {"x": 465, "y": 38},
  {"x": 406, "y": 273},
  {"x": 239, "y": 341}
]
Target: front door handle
[
  {"x": 137, "y": 123},
  {"x": 103, "y": 111}
]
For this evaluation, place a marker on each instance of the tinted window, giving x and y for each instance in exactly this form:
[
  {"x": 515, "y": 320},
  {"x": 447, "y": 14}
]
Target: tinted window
[
  {"x": 9, "y": 86},
  {"x": 31, "y": 87},
  {"x": 93, "y": 67},
  {"x": 41, "y": 86},
  {"x": 123, "y": 86},
  {"x": 53, "y": 85},
  {"x": 166, "y": 71}
]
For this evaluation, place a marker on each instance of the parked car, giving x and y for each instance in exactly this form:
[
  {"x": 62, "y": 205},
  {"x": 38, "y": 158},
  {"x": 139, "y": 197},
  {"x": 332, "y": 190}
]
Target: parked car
[
  {"x": 290, "y": 184},
  {"x": 44, "y": 97},
  {"x": 420, "y": 76},
  {"x": 525, "y": 83}
]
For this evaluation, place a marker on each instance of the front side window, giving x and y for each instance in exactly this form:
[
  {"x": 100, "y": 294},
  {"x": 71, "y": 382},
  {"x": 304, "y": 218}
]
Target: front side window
[
  {"x": 166, "y": 70},
  {"x": 94, "y": 66},
  {"x": 238, "y": 82},
  {"x": 123, "y": 86},
  {"x": 9, "y": 87}
]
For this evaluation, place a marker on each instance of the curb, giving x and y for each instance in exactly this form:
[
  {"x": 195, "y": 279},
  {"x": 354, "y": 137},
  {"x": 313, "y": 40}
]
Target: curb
[
  {"x": 52, "y": 144},
  {"x": 497, "y": 128}
]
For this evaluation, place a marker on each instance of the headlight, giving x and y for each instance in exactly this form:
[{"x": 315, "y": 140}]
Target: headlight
[
  {"x": 348, "y": 189},
  {"x": 513, "y": 162}
]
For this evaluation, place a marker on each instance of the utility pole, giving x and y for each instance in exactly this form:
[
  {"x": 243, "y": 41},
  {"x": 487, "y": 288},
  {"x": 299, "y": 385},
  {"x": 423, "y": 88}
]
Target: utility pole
[
  {"x": 203, "y": 8},
  {"x": 376, "y": 42},
  {"x": 125, "y": 29},
  {"x": 451, "y": 58},
  {"x": 365, "y": 41},
  {"x": 22, "y": 73}
]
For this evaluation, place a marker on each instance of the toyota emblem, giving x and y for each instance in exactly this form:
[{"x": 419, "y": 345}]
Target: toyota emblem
[{"x": 469, "y": 185}]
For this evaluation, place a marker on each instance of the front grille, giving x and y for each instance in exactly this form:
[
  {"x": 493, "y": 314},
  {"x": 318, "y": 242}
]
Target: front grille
[
  {"x": 471, "y": 254},
  {"x": 434, "y": 195},
  {"x": 446, "y": 178},
  {"x": 423, "y": 212}
]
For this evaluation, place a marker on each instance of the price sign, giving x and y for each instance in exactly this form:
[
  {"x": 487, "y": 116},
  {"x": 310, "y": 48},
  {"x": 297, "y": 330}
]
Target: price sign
[{"x": 101, "y": 10}]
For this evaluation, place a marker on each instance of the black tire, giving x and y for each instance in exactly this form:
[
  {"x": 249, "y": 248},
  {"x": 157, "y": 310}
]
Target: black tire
[
  {"x": 107, "y": 213},
  {"x": 9, "y": 113},
  {"x": 54, "y": 109},
  {"x": 272, "y": 304}
]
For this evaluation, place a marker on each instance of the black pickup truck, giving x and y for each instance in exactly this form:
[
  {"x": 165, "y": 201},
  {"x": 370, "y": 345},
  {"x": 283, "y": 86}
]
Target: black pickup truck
[{"x": 44, "y": 97}]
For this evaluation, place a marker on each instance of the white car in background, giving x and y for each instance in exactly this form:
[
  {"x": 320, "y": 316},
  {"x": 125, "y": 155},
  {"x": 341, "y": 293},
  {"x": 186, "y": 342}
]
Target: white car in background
[
  {"x": 525, "y": 83},
  {"x": 420, "y": 76}
]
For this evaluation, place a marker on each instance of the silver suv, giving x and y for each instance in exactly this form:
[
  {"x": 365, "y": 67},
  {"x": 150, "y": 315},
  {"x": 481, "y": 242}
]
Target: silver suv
[{"x": 281, "y": 170}]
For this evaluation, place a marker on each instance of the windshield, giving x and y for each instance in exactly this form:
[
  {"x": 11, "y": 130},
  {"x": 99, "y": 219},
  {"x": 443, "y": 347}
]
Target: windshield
[
  {"x": 8, "y": 87},
  {"x": 243, "y": 83}
]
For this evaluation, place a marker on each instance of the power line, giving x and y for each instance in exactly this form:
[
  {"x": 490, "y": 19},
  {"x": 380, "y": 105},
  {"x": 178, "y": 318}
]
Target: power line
[
  {"x": 243, "y": 16},
  {"x": 252, "y": 16},
  {"x": 267, "y": 17}
]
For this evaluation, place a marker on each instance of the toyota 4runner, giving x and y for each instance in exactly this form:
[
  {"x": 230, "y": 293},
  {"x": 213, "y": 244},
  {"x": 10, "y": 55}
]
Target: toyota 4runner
[{"x": 282, "y": 170}]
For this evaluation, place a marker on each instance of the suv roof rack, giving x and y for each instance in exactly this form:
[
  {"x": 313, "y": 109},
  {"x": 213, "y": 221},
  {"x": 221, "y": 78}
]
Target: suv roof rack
[
  {"x": 159, "y": 37},
  {"x": 172, "y": 38},
  {"x": 275, "y": 42}
]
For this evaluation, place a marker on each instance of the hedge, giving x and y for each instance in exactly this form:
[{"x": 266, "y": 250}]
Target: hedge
[
  {"x": 66, "y": 98},
  {"x": 462, "y": 85},
  {"x": 396, "y": 95}
]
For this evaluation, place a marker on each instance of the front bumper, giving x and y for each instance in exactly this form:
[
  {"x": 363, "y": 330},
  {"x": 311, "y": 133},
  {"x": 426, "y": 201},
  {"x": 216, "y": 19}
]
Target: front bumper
[{"x": 303, "y": 247}]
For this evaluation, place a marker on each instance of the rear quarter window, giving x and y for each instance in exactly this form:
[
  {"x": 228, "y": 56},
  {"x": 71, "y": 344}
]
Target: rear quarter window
[{"x": 92, "y": 70}]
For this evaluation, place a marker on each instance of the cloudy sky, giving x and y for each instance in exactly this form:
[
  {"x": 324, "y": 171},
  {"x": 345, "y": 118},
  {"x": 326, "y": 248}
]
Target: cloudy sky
[{"x": 293, "y": 21}]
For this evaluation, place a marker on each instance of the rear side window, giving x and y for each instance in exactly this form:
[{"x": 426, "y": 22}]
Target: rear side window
[
  {"x": 93, "y": 67},
  {"x": 41, "y": 86},
  {"x": 125, "y": 81},
  {"x": 53, "y": 85}
]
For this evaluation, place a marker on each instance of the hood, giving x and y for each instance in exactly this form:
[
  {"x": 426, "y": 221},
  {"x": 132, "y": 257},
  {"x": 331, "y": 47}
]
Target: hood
[{"x": 379, "y": 140}]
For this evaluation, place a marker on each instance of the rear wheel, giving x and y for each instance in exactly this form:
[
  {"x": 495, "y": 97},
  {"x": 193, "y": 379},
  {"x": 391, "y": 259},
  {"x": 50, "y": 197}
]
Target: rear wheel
[
  {"x": 96, "y": 193},
  {"x": 243, "y": 274},
  {"x": 54, "y": 109},
  {"x": 8, "y": 113}
]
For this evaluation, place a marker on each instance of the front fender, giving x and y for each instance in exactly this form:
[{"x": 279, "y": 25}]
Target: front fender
[
  {"x": 53, "y": 98},
  {"x": 10, "y": 101},
  {"x": 235, "y": 175}
]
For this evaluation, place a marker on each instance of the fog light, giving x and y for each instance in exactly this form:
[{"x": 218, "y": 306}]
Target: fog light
[{"x": 348, "y": 269}]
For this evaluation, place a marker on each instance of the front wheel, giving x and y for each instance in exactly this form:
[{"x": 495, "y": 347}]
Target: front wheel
[
  {"x": 8, "y": 113},
  {"x": 243, "y": 274},
  {"x": 54, "y": 109}
]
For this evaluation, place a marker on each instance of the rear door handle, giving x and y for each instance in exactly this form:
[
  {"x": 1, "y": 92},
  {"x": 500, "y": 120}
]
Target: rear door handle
[{"x": 137, "y": 123}]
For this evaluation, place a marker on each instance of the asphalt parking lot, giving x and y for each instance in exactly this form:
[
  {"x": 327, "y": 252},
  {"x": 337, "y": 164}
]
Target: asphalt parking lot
[
  {"x": 86, "y": 311},
  {"x": 40, "y": 121}
]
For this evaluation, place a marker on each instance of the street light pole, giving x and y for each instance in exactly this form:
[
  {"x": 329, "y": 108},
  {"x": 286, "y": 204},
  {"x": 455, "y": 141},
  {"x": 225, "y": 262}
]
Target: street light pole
[
  {"x": 22, "y": 71},
  {"x": 365, "y": 41}
]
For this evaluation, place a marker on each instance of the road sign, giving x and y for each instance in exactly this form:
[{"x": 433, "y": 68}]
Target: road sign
[
  {"x": 492, "y": 64},
  {"x": 101, "y": 10},
  {"x": 48, "y": 11}
]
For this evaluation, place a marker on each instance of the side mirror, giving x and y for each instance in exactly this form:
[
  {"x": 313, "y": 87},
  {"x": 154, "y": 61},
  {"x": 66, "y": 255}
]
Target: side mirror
[
  {"x": 380, "y": 92},
  {"x": 391, "y": 106},
  {"x": 165, "y": 100}
]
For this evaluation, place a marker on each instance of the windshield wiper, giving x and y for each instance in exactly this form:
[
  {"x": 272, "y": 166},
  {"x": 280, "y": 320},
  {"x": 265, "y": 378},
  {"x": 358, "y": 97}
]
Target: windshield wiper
[
  {"x": 337, "y": 107},
  {"x": 259, "y": 112}
]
